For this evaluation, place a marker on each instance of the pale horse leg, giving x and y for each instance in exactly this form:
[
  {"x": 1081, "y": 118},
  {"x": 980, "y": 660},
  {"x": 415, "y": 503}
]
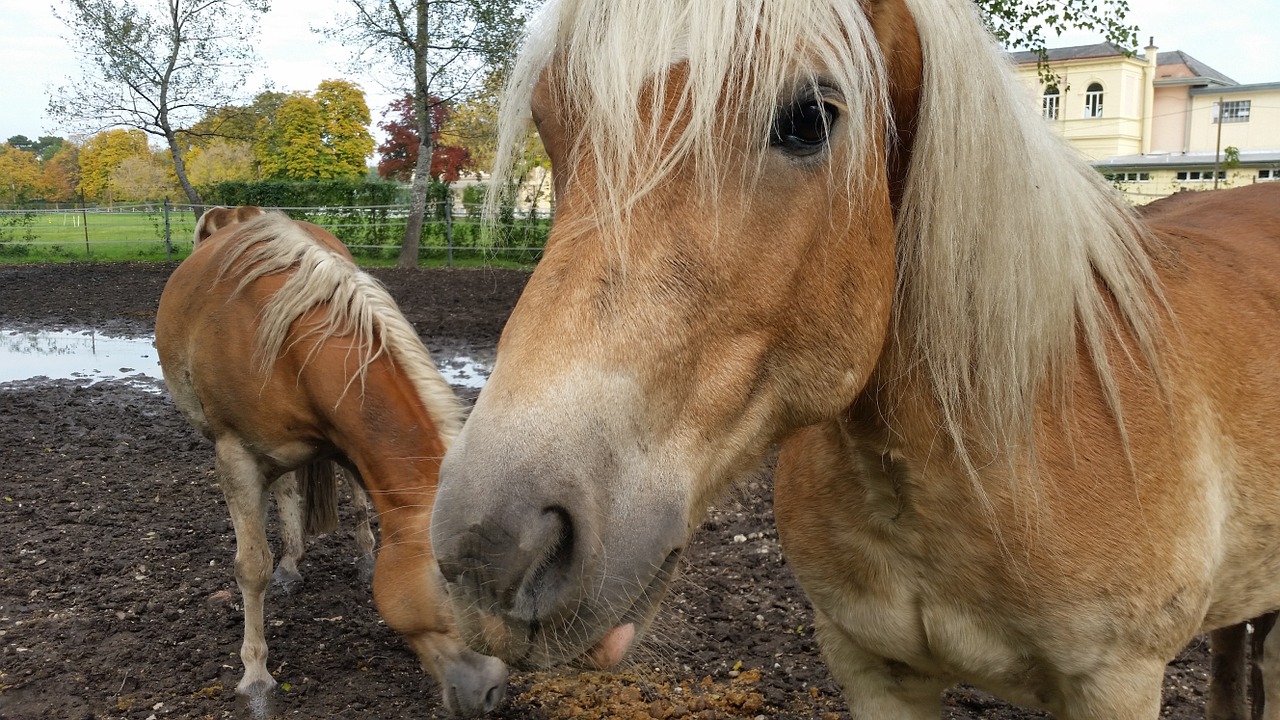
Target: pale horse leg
[
  {"x": 292, "y": 543},
  {"x": 1266, "y": 675},
  {"x": 881, "y": 689},
  {"x": 364, "y": 532},
  {"x": 1128, "y": 690},
  {"x": 876, "y": 688},
  {"x": 291, "y": 510},
  {"x": 243, "y": 486},
  {"x": 1229, "y": 650}
]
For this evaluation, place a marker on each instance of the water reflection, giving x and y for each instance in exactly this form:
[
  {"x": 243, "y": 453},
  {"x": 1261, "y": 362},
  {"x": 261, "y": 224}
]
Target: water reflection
[
  {"x": 87, "y": 356},
  {"x": 91, "y": 357}
]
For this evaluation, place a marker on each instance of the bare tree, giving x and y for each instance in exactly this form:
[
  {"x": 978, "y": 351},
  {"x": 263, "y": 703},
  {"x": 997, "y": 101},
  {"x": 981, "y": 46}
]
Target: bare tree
[
  {"x": 435, "y": 51},
  {"x": 156, "y": 65}
]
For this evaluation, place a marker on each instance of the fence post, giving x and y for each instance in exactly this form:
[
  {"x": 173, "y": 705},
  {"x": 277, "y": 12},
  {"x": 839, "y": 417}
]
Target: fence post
[
  {"x": 448, "y": 231},
  {"x": 84, "y": 216},
  {"x": 168, "y": 245}
]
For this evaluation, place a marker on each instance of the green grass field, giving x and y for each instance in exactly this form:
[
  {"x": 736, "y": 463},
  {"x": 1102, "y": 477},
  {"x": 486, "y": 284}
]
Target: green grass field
[
  {"x": 60, "y": 236},
  {"x": 140, "y": 234}
]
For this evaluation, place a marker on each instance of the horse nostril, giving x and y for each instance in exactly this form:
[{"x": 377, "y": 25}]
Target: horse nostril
[
  {"x": 512, "y": 562},
  {"x": 550, "y": 555},
  {"x": 562, "y": 548},
  {"x": 493, "y": 697}
]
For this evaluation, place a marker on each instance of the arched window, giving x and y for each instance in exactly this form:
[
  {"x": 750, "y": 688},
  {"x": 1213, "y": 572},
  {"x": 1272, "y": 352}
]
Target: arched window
[
  {"x": 1093, "y": 101},
  {"x": 1049, "y": 107}
]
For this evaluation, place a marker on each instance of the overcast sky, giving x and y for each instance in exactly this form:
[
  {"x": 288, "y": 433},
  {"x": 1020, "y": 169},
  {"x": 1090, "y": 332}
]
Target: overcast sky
[{"x": 1236, "y": 37}]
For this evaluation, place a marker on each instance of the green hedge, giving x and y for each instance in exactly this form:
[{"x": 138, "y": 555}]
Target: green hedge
[{"x": 302, "y": 193}]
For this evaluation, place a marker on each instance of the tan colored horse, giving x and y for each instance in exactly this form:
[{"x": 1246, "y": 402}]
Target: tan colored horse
[
  {"x": 276, "y": 347},
  {"x": 1028, "y": 438},
  {"x": 317, "y": 512}
]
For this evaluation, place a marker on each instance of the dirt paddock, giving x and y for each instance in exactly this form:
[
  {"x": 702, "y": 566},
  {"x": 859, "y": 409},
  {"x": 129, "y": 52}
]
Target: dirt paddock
[{"x": 117, "y": 598}]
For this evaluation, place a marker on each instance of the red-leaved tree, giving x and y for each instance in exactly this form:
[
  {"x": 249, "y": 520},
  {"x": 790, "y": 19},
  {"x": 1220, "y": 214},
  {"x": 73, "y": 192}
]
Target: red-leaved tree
[{"x": 399, "y": 154}]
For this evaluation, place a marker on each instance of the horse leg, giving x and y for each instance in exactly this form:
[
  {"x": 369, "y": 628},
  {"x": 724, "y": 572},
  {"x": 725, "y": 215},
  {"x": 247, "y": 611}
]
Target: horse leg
[
  {"x": 1128, "y": 690},
  {"x": 875, "y": 687},
  {"x": 292, "y": 541},
  {"x": 1266, "y": 668},
  {"x": 1228, "y": 651},
  {"x": 364, "y": 532},
  {"x": 242, "y": 485},
  {"x": 409, "y": 593}
]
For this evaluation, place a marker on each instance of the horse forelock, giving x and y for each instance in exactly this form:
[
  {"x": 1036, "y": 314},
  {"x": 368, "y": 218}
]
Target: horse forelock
[
  {"x": 610, "y": 64},
  {"x": 354, "y": 303},
  {"x": 1008, "y": 244}
]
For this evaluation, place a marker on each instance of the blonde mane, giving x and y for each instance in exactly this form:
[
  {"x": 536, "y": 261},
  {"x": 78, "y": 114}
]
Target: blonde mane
[
  {"x": 1009, "y": 246},
  {"x": 355, "y": 304}
]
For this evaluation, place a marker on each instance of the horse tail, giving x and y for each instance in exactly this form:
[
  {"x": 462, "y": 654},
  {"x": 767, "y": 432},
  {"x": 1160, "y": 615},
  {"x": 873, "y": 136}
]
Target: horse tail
[{"x": 318, "y": 487}]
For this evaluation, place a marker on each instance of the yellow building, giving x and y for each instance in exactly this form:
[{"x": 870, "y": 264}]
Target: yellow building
[{"x": 1157, "y": 122}]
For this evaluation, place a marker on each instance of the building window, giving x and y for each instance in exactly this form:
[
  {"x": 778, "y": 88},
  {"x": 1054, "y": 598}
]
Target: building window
[
  {"x": 1200, "y": 175},
  {"x": 1268, "y": 175},
  {"x": 1093, "y": 101},
  {"x": 1129, "y": 177},
  {"x": 1232, "y": 111},
  {"x": 1050, "y": 106}
]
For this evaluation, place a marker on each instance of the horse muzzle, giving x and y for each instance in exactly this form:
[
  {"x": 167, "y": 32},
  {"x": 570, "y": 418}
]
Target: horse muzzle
[{"x": 546, "y": 562}]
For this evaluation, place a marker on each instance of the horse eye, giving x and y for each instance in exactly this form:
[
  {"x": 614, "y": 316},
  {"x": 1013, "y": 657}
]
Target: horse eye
[{"x": 803, "y": 127}]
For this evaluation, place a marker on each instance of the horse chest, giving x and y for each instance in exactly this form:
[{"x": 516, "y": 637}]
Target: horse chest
[
  {"x": 919, "y": 602},
  {"x": 905, "y": 576}
]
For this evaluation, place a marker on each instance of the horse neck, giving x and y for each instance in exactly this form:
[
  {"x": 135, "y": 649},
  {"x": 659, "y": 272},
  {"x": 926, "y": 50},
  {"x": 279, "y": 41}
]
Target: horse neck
[
  {"x": 899, "y": 414},
  {"x": 386, "y": 431}
]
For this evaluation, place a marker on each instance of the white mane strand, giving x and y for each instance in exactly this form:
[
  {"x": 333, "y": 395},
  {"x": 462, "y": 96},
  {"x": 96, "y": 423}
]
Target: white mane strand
[{"x": 1007, "y": 242}]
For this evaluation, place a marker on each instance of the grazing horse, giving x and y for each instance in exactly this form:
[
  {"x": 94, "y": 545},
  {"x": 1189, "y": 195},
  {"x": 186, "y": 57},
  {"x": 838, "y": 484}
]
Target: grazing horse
[
  {"x": 1027, "y": 436},
  {"x": 309, "y": 508},
  {"x": 280, "y": 350}
]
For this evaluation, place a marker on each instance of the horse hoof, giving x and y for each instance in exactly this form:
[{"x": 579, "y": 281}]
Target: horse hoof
[
  {"x": 284, "y": 582},
  {"x": 256, "y": 701}
]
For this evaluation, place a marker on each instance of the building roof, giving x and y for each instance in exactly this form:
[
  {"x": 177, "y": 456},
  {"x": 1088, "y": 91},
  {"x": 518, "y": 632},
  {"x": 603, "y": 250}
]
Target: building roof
[
  {"x": 1075, "y": 52},
  {"x": 1171, "y": 58},
  {"x": 1254, "y": 88},
  {"x": 1177, "y": 57},
  {"x": 1185, "y": 160}
]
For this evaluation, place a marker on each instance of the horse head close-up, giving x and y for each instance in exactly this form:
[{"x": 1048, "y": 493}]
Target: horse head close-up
[{"x": 1024, "y": 431}]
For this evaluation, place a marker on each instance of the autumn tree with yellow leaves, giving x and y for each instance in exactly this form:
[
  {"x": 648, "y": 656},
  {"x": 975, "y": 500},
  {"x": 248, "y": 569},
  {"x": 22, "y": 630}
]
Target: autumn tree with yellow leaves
[
  {"x": 101, "y": 155},
  {"x": 318, "y": 136}
]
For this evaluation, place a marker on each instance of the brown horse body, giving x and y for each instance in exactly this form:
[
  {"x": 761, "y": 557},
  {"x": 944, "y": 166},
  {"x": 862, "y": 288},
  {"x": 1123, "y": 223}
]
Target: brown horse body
[
  {"x": 276, "y": 347},
  {"x": 1027, "y": 435},
  {"x": 306, "y": 505}
]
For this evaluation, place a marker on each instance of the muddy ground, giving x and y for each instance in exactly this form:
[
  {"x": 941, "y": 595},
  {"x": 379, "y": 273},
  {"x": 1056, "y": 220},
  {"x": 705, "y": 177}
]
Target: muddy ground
[{"x": 117, "y": 598}]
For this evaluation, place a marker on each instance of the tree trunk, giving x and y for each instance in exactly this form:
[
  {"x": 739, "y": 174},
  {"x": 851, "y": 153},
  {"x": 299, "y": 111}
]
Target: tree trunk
[
  {"x": 426, "y": 145},
  {"x": 180, "y": 169},
  {"x": 417, "y": 208}
]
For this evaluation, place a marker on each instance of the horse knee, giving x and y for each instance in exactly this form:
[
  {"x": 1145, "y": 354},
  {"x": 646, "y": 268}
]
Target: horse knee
[{"x": 253, "y": 568}]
